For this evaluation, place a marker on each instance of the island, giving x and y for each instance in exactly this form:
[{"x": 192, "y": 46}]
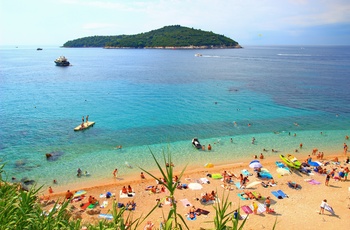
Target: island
[{"x": 168, "y": 37}]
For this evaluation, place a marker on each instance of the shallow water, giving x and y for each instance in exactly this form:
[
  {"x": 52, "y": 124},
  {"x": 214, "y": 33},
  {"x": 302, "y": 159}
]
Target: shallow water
[{"x": 160, "y": 99}]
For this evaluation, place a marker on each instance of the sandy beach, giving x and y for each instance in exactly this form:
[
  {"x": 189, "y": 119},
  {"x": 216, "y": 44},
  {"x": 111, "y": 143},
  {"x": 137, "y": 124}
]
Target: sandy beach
[{"x": 299, "y": 210}]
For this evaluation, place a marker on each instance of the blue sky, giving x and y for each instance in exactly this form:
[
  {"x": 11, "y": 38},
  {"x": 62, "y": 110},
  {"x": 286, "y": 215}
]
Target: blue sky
[{"x": 249, "y": 22}]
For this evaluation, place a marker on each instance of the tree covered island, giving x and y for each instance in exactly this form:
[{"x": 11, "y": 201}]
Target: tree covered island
[{"x": 168, "y": 37}]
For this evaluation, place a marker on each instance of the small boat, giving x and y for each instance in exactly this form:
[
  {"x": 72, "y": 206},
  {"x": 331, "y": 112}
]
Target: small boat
[
  {"x": 287, "y": 161},
  {"x": 39, "y": 49},
  {"x": 198, "y": 55},
  {"x": 196, "y": 144},
  {"x": 62, "y": 61}
]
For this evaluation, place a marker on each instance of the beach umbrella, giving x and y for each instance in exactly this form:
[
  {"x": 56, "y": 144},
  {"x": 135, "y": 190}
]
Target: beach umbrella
[
  {"x": 195, "y": 186},
  {"x": 283, "y": 171},
  {"x": 255, "y": 165},
  {"x": 253, "y": 184},
  {"x": 254, "y": 161}
]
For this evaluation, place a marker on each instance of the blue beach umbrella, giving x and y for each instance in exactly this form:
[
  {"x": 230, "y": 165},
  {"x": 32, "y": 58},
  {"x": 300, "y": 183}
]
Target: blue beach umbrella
[{"x": 255, "y": 165}]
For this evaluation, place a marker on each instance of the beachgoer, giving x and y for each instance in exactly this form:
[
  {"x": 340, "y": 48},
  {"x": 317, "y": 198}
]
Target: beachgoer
[
  {"x": 142, "y": 176},
  {"x": 50, "y": 189},
  {"x": 345, "y": 148},
  {"x": 87, "y": 119},
  {"x": 327, "y": 179},
  {"x": 346, "y": 173},
  {"x": 346, "y": 137},
  {"x": 203, "y": 147},
  {"x": 255, "y": 207},
  {"x": 82, "y": 119},
  {"x": 255, "y": 156},
  {"x": 261, "y": 156},
  {"x": 148, "y": 226},
  {"x": 119, "y": 147},
  {"x": 300, "y": 145},
  {"x": 267, "y": 204},
  {"x": 209, "y": 147},
  {"x": 231, "y": 140},
  {"x": 115, "y": 173},
  {"x": 79, "y": 172},
  {"x": 69, "y": 195},
  {"x": 322, "y": 206},
  {"x": 191, "y": 212},
  {"x": 124, "y": 190},
  {"x": 129, "y": 189},
  {"x": 54, "y": 181},
  {"x": 82, "y": 125}
]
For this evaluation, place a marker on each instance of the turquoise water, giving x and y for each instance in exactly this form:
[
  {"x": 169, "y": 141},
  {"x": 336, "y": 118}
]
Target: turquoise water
[{"x": 156, "y": 99}]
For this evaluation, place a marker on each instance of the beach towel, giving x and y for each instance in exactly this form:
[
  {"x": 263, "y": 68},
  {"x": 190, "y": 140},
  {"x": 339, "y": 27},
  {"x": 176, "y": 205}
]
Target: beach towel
[
  {"x": 189, "y": 218},
  {"x": 185, "y": 202},
  {"x": 282, "y": 194},
  {"x": 329, "y": 209},
  {"x": 128, "y": 195},
  {"x": 106, "y": 216},
  {"x": 277, "y": 195},
  {"x": 91, "y": 206},
  {"x": 256, "y": 195},
  {"x": 238, "y": 185},
  {"x": 240, "y": 195},
  {"x": 202, "y": 211},
  {"x": 84, "y": 206},
  {"x": 314, "y": 182},
  {"x": 247, "y": 209},
  {"x": 245, "y": 172},
  {"x": 216, "y": 176},
  {"x": 261, "y": 208}
]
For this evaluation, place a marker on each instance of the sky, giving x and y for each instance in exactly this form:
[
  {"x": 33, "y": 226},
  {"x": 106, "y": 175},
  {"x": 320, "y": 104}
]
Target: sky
[{"x": 249, "y": 22}]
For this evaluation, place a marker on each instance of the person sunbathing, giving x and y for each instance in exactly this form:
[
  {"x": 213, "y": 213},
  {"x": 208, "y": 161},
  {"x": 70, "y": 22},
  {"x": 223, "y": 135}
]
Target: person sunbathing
[
  {"x": 124, "y": 190},
  {"x": 249, "y": 194},
  {"x": 293, "y": 184},
  {"x": 129, "y": 189}
]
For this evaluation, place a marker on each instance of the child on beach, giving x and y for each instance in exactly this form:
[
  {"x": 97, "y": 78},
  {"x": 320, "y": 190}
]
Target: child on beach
[{"x": 115, "y": 173}]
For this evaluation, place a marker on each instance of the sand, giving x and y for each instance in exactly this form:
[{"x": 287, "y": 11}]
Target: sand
[{"x": 299, "y": 211}]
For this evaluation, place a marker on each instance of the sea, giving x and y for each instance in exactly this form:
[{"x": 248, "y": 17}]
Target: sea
[{"x": 155, "y": 101}]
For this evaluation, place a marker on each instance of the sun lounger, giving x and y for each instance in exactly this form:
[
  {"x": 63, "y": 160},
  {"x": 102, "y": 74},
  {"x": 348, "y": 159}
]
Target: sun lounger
[{"x": 186, "y": 203}]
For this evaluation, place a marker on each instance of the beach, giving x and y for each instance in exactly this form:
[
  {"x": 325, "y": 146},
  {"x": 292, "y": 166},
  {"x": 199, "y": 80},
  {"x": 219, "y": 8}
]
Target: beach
[{"x": 299, "y": 210}]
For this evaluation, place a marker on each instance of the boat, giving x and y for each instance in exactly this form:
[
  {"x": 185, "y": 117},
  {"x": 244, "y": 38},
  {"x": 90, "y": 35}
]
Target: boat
[
  {"x": 287, "y": 161},
  {"x": 84, "y": 126},
  {"x": 294, "y": 160},
  {"x": 62, "y": 61},
  {"x": 198, "y": 55},
  {"x": 39, "y": 49},
  {"x": 196, "y": 144}
]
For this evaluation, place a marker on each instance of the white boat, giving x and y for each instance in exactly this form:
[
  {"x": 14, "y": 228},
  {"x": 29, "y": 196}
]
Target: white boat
[{"x": 198, "y": 55}]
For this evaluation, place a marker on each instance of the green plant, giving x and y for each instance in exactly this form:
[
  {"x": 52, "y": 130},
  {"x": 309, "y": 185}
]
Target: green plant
[{"x": 174, "y": 219}]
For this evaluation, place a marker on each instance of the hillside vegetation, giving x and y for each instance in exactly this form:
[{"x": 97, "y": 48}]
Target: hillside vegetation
[{"x": 167, "y": 37}]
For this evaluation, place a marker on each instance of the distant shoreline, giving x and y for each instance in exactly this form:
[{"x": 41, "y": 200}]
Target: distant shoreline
[{"x": 178, "y": 47}]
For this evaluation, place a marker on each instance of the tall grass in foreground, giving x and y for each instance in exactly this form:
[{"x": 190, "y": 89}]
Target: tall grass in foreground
[{"x": 174, "y": 220}]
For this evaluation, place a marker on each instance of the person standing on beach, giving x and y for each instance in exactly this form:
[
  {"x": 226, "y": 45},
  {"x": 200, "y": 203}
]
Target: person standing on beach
[
  {"x": 345, "y": 148},
  {"x": 327, "y": 179},
  {"x": 267, "y": 204},
  {"x": 322, "y": 206},
  {"x": 115, "y": 173}
]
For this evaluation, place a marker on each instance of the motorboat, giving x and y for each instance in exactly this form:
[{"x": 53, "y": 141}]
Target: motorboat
[
  {"x": 196, "y": 144},
  {"x": 198, "y": 55},
  {"x": 62, "y": 61}
]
